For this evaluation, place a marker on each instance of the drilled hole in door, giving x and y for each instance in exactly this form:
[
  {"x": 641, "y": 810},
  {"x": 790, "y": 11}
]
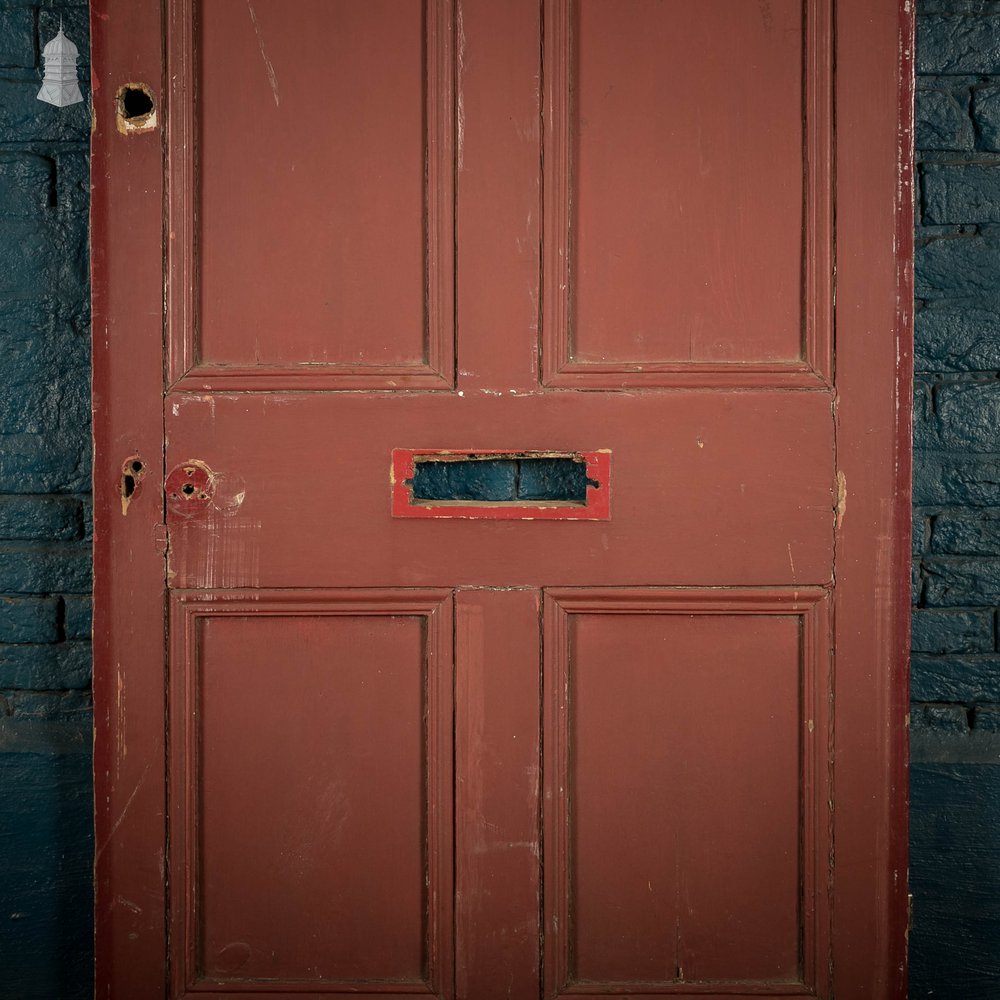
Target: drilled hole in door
[{"x": 135, "y": 109}]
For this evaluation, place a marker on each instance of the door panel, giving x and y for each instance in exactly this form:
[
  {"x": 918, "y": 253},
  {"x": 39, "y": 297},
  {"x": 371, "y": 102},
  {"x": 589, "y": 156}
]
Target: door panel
[
  {"x": 685, "y": 215},
  {"x": 312, "y": 836},
  {"x": 590, "y": 227},
  {"x": 328, "y": 261},
  {"x": 686, "y": 738}
]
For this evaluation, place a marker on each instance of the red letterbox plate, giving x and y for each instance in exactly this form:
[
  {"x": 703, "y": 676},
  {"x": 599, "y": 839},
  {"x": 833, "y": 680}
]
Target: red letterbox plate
[{"x": 596, "y": 508}]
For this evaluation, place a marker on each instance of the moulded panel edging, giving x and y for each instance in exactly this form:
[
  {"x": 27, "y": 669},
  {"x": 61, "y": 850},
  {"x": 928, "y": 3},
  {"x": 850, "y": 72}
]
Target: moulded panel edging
[
  {"x": 190, "y": 607},
  {"x": 185, "y": 369},
  {"x": 812, "y": 605},
  {"x": 559, "y": 369}
]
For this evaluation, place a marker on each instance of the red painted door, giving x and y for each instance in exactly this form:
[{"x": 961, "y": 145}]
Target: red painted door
[{"x": 499, "y": 413}]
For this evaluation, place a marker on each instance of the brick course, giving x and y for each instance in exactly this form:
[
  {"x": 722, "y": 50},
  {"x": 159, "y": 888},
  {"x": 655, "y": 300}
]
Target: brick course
[
  {"x": 45, "y": 559},
  {"x": 955, "y": 668}
]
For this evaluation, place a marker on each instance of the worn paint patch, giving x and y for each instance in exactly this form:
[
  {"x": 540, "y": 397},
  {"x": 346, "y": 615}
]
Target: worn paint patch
[
  {"x": 190, "y": 489},
  {"x": 133, "y": 473},
  {"x": 135, "y": 109}
]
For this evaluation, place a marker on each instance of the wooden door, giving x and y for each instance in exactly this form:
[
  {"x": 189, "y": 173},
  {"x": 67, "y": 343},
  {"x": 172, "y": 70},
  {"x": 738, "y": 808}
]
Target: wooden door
[{"x": 501, "y": 470}]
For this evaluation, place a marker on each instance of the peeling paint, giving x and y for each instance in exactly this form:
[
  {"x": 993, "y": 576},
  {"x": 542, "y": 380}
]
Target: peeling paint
[{"x": 841, "y": 497}]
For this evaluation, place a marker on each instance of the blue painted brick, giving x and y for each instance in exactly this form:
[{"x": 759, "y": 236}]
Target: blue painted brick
[
  {"x": 957, "y": 266},
  {"x": 967, "y": 679},
  {"x": 17, "y": 37},
  {"x": 47, "y": 705},
  {"x": 950, "y": 44},
  {"x": 73, "y": 186},
  {"x": 968, "y": 416},
  {"x": 925, "y": 425},
  {"x": 953, "y": 719},
  {"x": 44, "y": 569},
  {"x": 46, "y": 841},
  {"x": 971, "y": 533},
  {"x": 27, "y": 183},
  {"x": 942, "y": 120},
  {"x": 53, "y": 667},
  {"x": 961, "y": 194},
  {"x": 986, "y": 115},
  {"x": 23, "y": 118},
  {"x": 40, "y": 463},
  {"x": 78, "y": 616},
  {"x": 973, "y": 480},
  {"x": 465, "y": 479},
  {"x": 987, "y": 719},
  {"x": 29, "y": 619},
  {"x": 88, "y": 518},
  {"x": 52, "y": 518},
  {"x": 952, "y": 632},
  {"x": 919, "y": 532},
  {"x": 956, "y": 337},
  {"x": 954, "y": 872},
  {"x": 962, "y": 582},
  {"x": 29, "y": 258},
  {"x": 552, "y": 479}
]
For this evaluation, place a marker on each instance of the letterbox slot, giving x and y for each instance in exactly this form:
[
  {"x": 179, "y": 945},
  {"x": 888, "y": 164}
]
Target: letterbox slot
[
  {"x": 501, "y": 480},
  {"x": 492, "y": 484}
]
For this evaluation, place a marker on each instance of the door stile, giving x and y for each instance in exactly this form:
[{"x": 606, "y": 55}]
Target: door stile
[
  {"x": 129, "y": 535},
  {"x": 874, "y": 369}
]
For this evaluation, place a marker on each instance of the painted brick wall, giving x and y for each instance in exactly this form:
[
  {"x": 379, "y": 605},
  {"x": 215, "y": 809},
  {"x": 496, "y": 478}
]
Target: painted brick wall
[
  {"x": 955, "y": 682},
  {"x": 45, "y": 835},
  {"x": 46, "y": 842}
]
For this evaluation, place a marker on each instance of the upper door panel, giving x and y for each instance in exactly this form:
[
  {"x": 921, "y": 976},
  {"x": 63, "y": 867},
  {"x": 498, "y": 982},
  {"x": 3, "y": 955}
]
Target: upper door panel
[
  {"x": 325, "y": 261},
  {"x": 687, "y": 227}
]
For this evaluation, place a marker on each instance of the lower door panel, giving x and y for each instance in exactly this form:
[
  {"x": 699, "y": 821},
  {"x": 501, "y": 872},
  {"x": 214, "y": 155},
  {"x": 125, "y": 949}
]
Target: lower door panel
[{"x": 400, "y": 792}]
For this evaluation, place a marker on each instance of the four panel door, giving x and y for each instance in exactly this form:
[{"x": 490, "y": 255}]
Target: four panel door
[{"x": 495, "y": 504}]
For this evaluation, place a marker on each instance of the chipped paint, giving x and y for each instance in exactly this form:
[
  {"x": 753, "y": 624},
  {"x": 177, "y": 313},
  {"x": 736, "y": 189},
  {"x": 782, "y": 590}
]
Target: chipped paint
[
  {"x": 128, "y": 123},
  {"x": 130, "y": 484}
]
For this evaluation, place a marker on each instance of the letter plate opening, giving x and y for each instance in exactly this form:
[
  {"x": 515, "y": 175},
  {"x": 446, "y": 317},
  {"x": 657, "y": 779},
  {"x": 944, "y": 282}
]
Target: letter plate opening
[{"x": 502, "y": 485}]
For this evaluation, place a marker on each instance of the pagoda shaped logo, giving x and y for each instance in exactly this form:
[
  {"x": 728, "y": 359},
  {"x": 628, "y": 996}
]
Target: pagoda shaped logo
[{"x": 59, "y": 85}]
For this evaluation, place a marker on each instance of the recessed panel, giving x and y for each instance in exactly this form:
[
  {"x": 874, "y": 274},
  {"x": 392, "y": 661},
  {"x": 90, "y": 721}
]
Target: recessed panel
[
  {"x": 313, "y": 818},
  {"x": 330, "y": 256},
  {"x": 680, "y": 230},
  {"x": 677, "y": 833}
]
